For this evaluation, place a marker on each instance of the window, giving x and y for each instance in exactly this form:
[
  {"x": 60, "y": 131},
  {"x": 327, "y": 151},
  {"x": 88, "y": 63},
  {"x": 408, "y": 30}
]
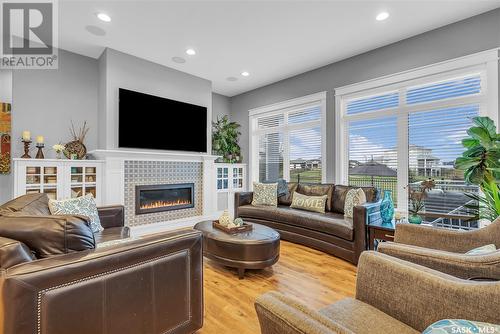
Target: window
[
  {"x": 287, "y": 140},
  {"x": 397, "y": 131}
]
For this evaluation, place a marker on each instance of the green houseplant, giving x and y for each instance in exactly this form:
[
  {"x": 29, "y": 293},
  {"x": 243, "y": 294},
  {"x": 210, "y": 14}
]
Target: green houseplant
[
  {"x": 225, "y": 139},
  {"x": 481, "y": 165}
]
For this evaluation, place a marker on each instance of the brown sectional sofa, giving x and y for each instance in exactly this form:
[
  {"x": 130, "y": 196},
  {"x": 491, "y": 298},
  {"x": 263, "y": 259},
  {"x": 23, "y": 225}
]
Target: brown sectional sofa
[
  {"x": 329, "y": 232},
  {"x": 54, "y": 280}
]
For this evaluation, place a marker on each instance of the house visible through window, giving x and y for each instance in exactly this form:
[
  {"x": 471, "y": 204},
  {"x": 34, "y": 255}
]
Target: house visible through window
[
  {"x": 287, "y": 141},
  {"x": 413, "y": 131}
]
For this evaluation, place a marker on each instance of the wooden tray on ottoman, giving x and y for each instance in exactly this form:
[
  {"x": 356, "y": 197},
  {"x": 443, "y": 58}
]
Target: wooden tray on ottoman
[{"x": 244, "y": 228}]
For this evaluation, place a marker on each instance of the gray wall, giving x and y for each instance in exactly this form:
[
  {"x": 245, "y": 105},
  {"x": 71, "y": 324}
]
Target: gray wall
[
  {"x": 126, "y": 71},
  {"x": 221, "y": 106},
  {"x": 475, "y": 34},
  {"x": 46, "y": 101}
]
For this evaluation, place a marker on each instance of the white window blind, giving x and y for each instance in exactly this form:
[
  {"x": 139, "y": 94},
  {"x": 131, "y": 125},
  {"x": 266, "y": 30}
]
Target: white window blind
[
  {"x": 289, "y": 143},
  {"x": 270, "y": 156}
]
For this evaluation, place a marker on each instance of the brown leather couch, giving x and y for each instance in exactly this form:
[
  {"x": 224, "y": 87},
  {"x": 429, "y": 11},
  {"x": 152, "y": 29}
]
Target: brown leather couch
[
  {"x": 329, "y": 232},
  {"x": 57, "y": 277}
]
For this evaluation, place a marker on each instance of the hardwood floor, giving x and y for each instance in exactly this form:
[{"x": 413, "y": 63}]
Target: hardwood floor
[{"x": 316, "y": 278}]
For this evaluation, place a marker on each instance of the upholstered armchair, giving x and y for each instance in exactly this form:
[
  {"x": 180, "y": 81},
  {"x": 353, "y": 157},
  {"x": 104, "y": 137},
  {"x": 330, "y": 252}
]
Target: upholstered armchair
[
  {"x": 444, "y": 249},
  {"x": 392, "y": 296}
]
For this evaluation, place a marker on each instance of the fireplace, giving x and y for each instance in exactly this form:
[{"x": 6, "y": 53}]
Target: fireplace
[{"x": 163, "y": 197}]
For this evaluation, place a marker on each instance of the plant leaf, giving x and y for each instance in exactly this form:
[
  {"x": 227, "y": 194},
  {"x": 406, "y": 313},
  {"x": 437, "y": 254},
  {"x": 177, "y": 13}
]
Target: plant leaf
[
  {"x": 480, "y": 134},
  {"x": 470, "y": 142},
  {"x": 487, "y": 124}
]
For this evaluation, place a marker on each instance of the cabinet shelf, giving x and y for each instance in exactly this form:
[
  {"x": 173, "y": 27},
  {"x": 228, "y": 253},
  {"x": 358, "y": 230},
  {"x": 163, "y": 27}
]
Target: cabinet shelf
[{"x": 59, "y": 179}]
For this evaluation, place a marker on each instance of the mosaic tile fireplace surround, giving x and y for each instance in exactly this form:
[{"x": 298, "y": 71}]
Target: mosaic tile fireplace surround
[{"x": 158, "y": 174}]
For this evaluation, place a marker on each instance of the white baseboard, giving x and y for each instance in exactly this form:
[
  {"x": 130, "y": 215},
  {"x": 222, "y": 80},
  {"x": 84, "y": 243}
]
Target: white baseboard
[{"x": 170, "y": 225}]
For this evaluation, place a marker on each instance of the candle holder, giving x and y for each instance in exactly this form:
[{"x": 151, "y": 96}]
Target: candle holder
[
  {"x": 39, "y": 154},
  {"x": 26, "y": 154}
]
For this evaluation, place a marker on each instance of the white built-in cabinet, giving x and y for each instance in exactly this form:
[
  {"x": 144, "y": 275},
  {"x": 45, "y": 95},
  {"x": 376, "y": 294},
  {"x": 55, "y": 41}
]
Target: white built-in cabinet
[
  {"x": 230, "y": 178},
  {"x": 58, "y": 178}
]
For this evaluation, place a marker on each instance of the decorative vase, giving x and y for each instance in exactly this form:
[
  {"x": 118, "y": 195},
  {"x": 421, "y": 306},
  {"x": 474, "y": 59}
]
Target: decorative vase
[
  {"x": 387, "y": 207},
  {"x": 415, "y": 219}
]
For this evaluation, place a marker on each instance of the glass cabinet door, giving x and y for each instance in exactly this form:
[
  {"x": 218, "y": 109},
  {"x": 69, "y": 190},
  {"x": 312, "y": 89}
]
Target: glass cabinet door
[
  {"x": 222, "y": 178},
  {"x": 83, "y": 181}
]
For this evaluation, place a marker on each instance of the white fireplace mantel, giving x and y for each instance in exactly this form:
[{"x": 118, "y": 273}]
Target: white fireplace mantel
[
  {"x": 151, "y": 155},
  {"x": 114, "y": 172}
]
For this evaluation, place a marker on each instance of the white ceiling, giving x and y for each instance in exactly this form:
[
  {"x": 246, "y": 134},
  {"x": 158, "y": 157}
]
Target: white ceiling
[{"x": 272, "y": 40}]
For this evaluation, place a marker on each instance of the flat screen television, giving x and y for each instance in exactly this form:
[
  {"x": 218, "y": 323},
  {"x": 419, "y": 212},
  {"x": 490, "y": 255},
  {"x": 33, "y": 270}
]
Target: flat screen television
[{"x": 151, "y": 122}]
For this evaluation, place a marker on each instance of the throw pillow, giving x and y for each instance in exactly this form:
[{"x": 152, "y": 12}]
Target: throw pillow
[
  {"x": 282, "y": 187},
  {"x": 84, "y": 206},
  {"x": 265, "y": 194},
  {"x": 354, "y": 197},
  {"x": 482, "y": 250},
  {"x": 452, "y": 326},
  {"x": 309, "y": 203}
]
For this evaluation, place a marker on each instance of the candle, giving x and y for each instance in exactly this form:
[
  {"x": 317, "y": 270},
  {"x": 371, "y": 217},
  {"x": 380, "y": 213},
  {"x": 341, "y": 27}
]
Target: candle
[
  {"x": 39, "y": 139},
  {"x": 26, "y": 136}
]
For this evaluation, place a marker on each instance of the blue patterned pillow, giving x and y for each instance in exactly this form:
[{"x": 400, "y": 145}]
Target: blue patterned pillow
[
  {"x": 84, "y": 206},
  {"x": 454, "y": 326}
]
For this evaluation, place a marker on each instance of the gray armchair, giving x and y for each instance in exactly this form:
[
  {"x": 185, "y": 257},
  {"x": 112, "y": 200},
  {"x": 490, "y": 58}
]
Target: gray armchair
[
  {"x": 392, "y": 296},
  {"x": 444, "y": 249}
]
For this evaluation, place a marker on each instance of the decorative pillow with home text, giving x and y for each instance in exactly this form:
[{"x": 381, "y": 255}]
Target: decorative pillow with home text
[{"x": 309, "y": 203}]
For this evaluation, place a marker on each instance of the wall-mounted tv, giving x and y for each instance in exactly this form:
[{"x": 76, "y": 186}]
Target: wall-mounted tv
[{"x": 151, "y": 122}]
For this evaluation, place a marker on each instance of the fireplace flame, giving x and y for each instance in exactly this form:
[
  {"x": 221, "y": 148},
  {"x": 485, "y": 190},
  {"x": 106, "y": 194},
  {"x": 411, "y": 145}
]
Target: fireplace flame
[{"x": 162, "y": 204}]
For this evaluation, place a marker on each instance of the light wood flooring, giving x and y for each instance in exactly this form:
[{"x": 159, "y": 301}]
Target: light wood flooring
[{"x": 315, "y": 278}]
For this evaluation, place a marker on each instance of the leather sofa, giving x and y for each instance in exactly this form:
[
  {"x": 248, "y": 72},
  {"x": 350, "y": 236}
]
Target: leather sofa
[
  {"x": 57, "y": 277},
  {"x": 329, "y": 232}
]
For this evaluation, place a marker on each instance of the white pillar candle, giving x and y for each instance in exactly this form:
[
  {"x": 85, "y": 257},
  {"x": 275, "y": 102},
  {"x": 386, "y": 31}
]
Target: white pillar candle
[
  {"x": 26, "y": 135},
  {"x": 39, "y": 139}
]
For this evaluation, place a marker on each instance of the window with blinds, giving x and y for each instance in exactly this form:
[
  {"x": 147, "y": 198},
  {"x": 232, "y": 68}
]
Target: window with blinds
[
  {"x": 419, "y": 128},
  {"x": 290, "y": 144},
  {"x": 373, "y": 153}
]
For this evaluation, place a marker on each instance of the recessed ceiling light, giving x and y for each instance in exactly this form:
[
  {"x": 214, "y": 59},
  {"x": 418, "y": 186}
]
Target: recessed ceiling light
[
  {"x": 103, "y": 17},
  {"x": 190, "y": 52},
  {"x": 382, "y": 16},
  {"x": 245, "y": 73},
  {"x": 232, "y": 79},
  {"x": 178, "y": 60}
]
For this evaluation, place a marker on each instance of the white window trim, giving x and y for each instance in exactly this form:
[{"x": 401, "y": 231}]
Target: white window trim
[
  {"x": 485, "y": 63},
  {"x": 285, "y": 107}
]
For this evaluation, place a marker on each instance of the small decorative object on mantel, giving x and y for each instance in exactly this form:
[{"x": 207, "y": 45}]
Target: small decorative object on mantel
[
  {"x": 225, "y": 140},
  {"x": 417, "y": 200},
  {"x": 76, "y": 146},
  {"x": 40, "y": 145},
  {"x": 59, "y": 148},
  {"x": 26, "y": 139}
]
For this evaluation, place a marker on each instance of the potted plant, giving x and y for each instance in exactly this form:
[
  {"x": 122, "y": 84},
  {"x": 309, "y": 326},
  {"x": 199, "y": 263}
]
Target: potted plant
[
  {"x": 417, "y": 200},
  {"x": 225, "y": 139},
  {"x": 481, "y": 165}
]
